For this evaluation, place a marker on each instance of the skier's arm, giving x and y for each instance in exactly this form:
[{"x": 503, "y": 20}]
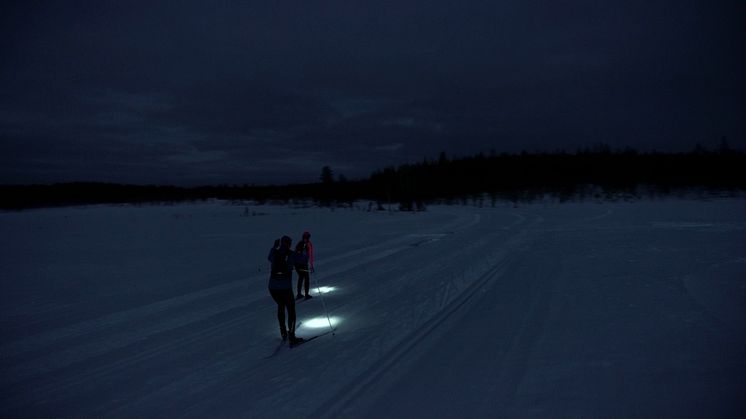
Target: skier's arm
[
  {"x": 276, "y": 246},
  {"x": 271, "y": 255}
]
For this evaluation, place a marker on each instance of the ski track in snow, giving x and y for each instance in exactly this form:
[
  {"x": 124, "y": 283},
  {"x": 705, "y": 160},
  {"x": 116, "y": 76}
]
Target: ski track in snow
[
  {"x": 362, "y": 384},
  {"x": 402, "y": 294}
]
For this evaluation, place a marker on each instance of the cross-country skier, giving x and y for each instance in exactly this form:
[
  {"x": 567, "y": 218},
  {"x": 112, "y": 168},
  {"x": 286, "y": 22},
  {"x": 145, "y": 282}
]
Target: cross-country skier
[
  {"x": 309, "y": 246},
  {"x": 281, "y": 287}
]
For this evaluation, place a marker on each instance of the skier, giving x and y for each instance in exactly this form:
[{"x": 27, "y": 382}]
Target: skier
[
  {"x": 301, "y": 266},
  {"x": 281, "y": 288}
]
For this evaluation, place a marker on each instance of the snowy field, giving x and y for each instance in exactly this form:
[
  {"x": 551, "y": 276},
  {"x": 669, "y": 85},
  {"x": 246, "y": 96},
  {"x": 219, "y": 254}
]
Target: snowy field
[{"x": 539, "y": 310}]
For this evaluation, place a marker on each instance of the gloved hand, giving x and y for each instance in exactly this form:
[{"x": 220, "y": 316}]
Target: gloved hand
[{"x": 313, "y": 270}]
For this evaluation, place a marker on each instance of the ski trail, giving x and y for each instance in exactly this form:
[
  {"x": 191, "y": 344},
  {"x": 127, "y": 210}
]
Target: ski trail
[
  {"x": 89, "y": 371},
  {"x": 365, "y": 383},
  {"x": 515, "y": 326},
  {"x": 525, "y": 332},
  {"x": 337, "y": 406}
]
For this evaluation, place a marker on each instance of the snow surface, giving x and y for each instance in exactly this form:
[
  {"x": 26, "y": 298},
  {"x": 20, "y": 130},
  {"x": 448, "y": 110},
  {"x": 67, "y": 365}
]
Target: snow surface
[{"x": 542, "y": 310}]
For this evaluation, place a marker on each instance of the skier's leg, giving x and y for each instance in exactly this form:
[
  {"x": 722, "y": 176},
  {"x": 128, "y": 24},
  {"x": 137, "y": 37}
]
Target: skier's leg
[
  {"x": 291, "y": 320},
  {"x": 307, "y": 281},
  {"x": 280, "y": 300}
]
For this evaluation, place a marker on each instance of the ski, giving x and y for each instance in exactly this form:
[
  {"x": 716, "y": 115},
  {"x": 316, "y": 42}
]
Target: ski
[
  {"x": 295, "y": 345},
  {"x": 276, "y": 351},
  {"x": 306, "y": 340},
  {"x": 283, "y": 343}
]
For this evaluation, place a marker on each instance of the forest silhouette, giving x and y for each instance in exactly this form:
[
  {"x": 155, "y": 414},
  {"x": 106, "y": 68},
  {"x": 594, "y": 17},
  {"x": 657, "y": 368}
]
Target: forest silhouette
[{"x": 598, "y": 173}]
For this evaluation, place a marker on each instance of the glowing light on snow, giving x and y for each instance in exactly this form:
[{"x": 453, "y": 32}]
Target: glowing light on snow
[
  {"x": 323, "y": 290},
  {"x": 320, "y": 322}
]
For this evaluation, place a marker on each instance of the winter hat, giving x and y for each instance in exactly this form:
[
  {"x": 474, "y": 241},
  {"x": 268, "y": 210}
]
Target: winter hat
[
  {"x": 285, "y": 240},
  {"x": 306, "y": 235}
]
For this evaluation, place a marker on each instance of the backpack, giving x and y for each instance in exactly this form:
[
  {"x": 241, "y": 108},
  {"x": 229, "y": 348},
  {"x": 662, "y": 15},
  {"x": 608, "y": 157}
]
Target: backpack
[
  {"x": 280, "y": 262},
  {"x": 301, "y": 255}
]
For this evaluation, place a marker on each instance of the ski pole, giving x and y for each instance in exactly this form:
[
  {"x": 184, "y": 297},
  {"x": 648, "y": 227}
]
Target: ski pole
[{"x": 323, "y": 304}]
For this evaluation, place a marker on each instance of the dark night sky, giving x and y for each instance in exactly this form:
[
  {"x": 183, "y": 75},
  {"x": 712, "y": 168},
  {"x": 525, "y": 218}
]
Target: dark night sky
[{"x": 189, "y": 92}]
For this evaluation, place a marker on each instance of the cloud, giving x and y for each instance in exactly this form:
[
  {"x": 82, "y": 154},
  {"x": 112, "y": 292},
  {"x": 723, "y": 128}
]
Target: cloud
[
  {"x": 390, "y": 147},
  {"x": 251, "y": 92}
]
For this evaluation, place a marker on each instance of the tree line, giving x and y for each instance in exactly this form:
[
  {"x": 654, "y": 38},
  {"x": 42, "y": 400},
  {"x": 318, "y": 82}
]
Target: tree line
[{"x": 525, "y": 176}]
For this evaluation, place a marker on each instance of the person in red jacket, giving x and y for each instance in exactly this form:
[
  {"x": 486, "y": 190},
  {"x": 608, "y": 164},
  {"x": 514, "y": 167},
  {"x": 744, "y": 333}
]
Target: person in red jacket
[
  {"x": 309, "y": 246},
  {"x": 304, "y": 264}
]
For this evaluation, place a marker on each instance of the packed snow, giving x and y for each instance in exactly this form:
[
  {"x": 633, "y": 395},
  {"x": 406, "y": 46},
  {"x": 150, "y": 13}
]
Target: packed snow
[{"x": 584, "y": 309}]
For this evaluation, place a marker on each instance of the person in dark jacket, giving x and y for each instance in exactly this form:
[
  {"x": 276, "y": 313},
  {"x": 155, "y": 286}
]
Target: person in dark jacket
[{"x": 281, "y": 287}]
